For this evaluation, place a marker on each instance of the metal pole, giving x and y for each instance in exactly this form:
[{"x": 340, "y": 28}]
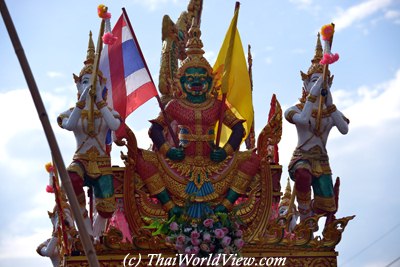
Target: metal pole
[{"x": 84, "y": 236}]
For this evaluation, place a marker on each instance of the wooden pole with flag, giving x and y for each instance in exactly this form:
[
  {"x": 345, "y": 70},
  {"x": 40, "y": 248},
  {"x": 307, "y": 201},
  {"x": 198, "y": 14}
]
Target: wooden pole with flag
[
  {"x": 225, "y": 76},
  {"x": 171, "y": 132},
  {"x": 87, "y": 244},
  {"x": 250, "y": 140}
]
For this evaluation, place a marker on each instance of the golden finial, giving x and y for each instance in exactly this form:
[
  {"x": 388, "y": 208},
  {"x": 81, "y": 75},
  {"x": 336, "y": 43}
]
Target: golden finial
[
  {"x": 90, "y": 51},
  {"x": 287, "y": 196},
  {"x": 194, "y": 51},
  {"x": 88, "y": 63},
  {"x": 315, "y": 67}
]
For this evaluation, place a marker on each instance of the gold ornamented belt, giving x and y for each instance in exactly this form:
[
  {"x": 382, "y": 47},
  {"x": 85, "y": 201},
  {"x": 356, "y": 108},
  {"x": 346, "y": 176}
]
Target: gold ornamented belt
[
  {"x": 197, "y": 137},
  {"x": 314, "y": 153},
  {"x": 95, "y": 165}
]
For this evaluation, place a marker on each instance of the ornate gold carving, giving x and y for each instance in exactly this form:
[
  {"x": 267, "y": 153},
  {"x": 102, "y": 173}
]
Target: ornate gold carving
[
  {"x": 164, "y": 148},
  {"x": 241, "y": 182},
  {"x": 95, "y": 165},
  {"x": 105, "y": 204},
  {"x": 324, "y": 114},
  {"x": 169, "y": 205},
  {"x": 289, "y": 115},
  {"x": 272, "y": 132},
  {"x": 331, "y": 109},
  {"x": 324, "y": 203},
  {"x": 228, "y": 149},
  {"x": 311, "y": 98},
  {"x": 197, "y": 137},
  {"x": 80, "y": 104},
  {"x": 101, "y": 104},
  {"x": 155, "y": 184},
  {"x": 197, "y": 169},
  {"x": 227, "y": 204},
  {"x": 230, "y": 118}
]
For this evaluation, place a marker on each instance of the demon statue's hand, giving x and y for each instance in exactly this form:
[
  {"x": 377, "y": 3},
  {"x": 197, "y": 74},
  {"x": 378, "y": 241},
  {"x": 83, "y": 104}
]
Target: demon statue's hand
[
  {"x": 176, "y": 210},
  {"x": 218, "y": 155},
  {"x": 221, "y": 209},
  {"x": 176, "y": 153}
]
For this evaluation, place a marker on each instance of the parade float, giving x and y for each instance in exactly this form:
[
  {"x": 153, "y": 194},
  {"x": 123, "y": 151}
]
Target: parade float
[{"x": 195, "y": 192}]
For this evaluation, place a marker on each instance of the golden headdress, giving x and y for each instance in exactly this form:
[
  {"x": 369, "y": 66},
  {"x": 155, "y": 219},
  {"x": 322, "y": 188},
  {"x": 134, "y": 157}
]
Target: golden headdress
[
  {"x": 315, "y": 67},
  {"x": 88, "y": 63},
  {"x": 194, "y": 51}
]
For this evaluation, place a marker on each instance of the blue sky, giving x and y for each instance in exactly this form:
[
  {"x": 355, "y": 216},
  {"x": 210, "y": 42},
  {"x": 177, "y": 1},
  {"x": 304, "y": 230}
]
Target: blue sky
[{"x": 282, "y": 34}]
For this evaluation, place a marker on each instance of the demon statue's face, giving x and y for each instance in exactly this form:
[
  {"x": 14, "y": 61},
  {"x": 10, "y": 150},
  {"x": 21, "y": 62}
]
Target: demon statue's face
[{"x": 196, "y": 84}]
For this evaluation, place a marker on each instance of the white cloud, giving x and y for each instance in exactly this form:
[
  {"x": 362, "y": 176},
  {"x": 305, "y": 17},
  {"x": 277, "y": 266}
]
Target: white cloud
[
  {"x": 18, "y": 115},
  {"x": 153, "y": 4},
  {"x": 54, "y": 74},
  {"x": 307, "y": 5},
  {"x": 269, "y": 48},
  {"x": 268, "y": 60},
  {"x": 374, "y": 106},
  {"x": 393, "y": 15},
  {"x": 302, "y": 4},
  {"x": 359, "y": 12},
  {"x": 298, "y": 51}
]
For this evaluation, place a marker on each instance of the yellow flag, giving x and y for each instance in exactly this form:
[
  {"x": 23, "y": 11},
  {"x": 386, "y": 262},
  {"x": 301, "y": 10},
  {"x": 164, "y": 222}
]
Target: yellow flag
[{"x": 235, "y": 79}]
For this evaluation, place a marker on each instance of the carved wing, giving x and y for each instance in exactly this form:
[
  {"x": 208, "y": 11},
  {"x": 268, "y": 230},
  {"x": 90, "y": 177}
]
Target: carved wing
[{"x": 267, "y": 143}]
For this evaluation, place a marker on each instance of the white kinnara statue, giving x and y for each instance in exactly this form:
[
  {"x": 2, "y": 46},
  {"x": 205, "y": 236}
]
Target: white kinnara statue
[
  {"x": 285, "y": 205},
  {"x": 309, "y": 165},
  {"x": 91, "y": 165},
  {"x": 50, "y": 247}
]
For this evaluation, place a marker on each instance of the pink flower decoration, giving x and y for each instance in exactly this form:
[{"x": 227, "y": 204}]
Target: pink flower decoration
[
  {"x": 188, "y": 250},
  {"x": 180, "y": 239},
  {"x": 207, "y": 237},
  {"x": 194, "y": 234},
  {"x": 195, "y": 241},
  {"x": 108, "y": 38},
  {"x": 174, "y": 226},
  {"x": 239, "y": 233},
  {"x": 226, "y": 230},
  {"x": 49, "y": 189},
  {"x": 329, "y": 59},
  {"x": 195, "y": 250},
  {"x": 239, "y": 243},
  {"x": 208, "y": 223},
  {"x": 219, "y": 233},
  {"x": 226, "y": 241},
  {"x": 179, "y": 247}
]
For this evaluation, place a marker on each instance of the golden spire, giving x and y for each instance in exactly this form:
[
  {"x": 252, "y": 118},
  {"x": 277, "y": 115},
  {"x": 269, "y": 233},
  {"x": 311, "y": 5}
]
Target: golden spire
[
  {"x": 194, "y": 51},
  {"x": 88, "y": 63},
  {"x": 90, "y": 51},
  {"x": 315, "y": 67},
  {"x": 287, "y": 196}
]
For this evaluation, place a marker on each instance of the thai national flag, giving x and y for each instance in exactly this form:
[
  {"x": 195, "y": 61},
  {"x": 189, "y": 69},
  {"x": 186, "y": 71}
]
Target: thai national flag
[{"x": 129, "y": 82}]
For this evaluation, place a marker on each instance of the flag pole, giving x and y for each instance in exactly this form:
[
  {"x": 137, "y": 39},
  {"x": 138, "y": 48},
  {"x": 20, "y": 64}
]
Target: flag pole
[
  {"x": 171, "y": 132},
  {"x": 250, "y": 141},
  {"x": 325, "y": 85},
  {"x": 55, "y": 150},
  {"x": 93, "y": 79},
  {"x": 227, "y": 67}
]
